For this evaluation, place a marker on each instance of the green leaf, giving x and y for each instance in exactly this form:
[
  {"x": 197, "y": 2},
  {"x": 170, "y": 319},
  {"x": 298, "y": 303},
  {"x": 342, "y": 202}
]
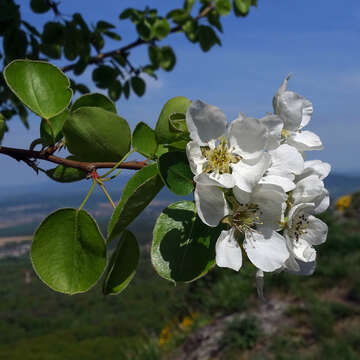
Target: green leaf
[
  {"x": 164, "y": 135},
  {"x": 115, "y": 90},
  {"x": 39, "y": 6},
  {"x": 188, "y": 5},
  {"x": 68, "y": 251},
  {"x": 2, "y": 127},
  {"x": 183, "y": 247},
  {"x": 138, "y": 85},
  {"x": 168, "y": 58},
  {"x": 42, "y": 87},
  {"x": 64, "y": 174},
  {"x": 144, "y": 140},
  {"x": 136, "y": 196},
  {"x": 49, "y": 136},
  {"x": 161, "y": 28},
  {"x": 175, "y": 171},
  {"x": 223, "y": 7},
  {"x": 112, "y": 35},
  {"x": 94, "y": 100},
  {"x": 179, "y": 16},
  {"x": 94, "y": 134},
  {"x": 122, "y": 265},
  {"x": 104, "y": 25},
  {"x": 144, "y": 30},
  {"x": 103, "y": 76},
  {"x": 207, "y": 38},
  {"x": 178, "y": 123},
  {"x": 242, "y": 7},
  {"x": 190, "y": 30},
  {"x": 53, "y": 33}
]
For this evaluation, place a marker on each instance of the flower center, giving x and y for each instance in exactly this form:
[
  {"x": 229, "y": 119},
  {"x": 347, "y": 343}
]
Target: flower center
[
  {"x": 245, "y": 217},
  {"x": 219, "y": 158},
  {"x": 299, "y": 227}
]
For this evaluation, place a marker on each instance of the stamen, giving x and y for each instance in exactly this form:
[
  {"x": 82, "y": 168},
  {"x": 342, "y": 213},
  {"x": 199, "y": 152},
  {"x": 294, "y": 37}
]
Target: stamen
[{"x": 219, "y": 159}]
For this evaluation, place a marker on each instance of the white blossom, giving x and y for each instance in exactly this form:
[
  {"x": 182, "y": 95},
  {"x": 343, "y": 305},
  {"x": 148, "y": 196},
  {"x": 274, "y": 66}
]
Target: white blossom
[
  {"x": 225, "y": 157},
  {"x": 295, "y": 111}
]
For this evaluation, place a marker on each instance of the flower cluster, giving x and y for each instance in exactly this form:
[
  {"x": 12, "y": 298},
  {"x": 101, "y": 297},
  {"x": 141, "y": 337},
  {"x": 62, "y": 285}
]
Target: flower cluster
[{"x": 251, "y": 175}]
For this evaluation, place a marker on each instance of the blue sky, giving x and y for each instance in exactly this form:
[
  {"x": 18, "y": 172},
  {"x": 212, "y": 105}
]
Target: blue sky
[{"x": 315, "y": 40}]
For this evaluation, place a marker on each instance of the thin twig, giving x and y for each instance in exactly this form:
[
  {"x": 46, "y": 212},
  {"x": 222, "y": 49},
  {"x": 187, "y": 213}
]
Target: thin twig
[{"x": 29, "y": 155}]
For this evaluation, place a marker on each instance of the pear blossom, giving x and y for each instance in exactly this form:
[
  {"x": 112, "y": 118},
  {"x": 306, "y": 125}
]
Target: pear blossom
[
  {"x": 225, "y": 156},
  {"x": 256, "y": 216},
  {"x": 295, "y": 111},
  {"x": 251, "y": 175},
  {"x": 302, "y": 232}
]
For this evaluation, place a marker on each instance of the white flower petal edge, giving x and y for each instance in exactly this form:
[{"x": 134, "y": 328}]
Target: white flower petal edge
[
  {"x": 315, "y": 167},
  {"x": 228, "y": 251},
  {"x": 195, "y": 157},
  {"x": 308, "y": 190},
  {"x": 305, "y": 141},
  {"x": 205, "y": 122},
  {"x": 268, "y": 254},
  {"x": 210, "y": 204}
]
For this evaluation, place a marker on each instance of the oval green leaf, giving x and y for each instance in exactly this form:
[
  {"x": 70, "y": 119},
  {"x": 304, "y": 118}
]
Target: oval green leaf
[
  {"x": 183, "y": 247},
  {"x": 138, "y": 85},
  {"x": 175, "y": 171},
  {"x": 42, "y": 87},
  {"x": 94, "y": 100},
  {"x": 122, "y": 265},
  {"x": 68, "y": 251},
  {"x": 144, "y": 140},
  {"x": 64, "y": 174},
  {"x": 137, "y": 195},
  {"x": 164, "y": 134},
  {"x": 94, "y": 134}
]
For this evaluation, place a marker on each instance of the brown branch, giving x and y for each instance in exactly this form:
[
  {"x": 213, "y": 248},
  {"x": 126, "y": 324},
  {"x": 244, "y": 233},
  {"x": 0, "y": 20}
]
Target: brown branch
[
  {"x": 123, "y": 50},
  {"x": 29, "y": 155}
]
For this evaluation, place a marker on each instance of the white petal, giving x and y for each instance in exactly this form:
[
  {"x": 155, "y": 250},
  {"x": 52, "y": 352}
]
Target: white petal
[
  {"x": 294, "y": 109},
  {"x": 284, "y": 160},
  {"x": 270, "y": 199},
  {"x": 267, "y": 254},
  {"x": 205, "y": 122},
  {"x": 304, "y": 268},
  {"x": 274, "y": 125},
  {"x": 298, "y": 210},
  {"x": 317, "y": 167},
  {"x": 228, "y": 251},
  {"x": 282, "y": 89},
  {"x": 316, "y": 231},
  {"x": 195, "y": 157},
  {"x": 224, "y": 180},
  {"x": 322, "y": 202},
  {"x": 286, "y": 184},
  {"x": 308, "y": 189},
  {"x": 243, "y": 197},
  {"x": 305, "y": 140},
  {"x": 248, "y": 136},
  {"x": 304, "y": 251},
  {"x": 210, "y": 204},
  {"x": 247, "y": 174},
  {"x": 213, "y": 179}
]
